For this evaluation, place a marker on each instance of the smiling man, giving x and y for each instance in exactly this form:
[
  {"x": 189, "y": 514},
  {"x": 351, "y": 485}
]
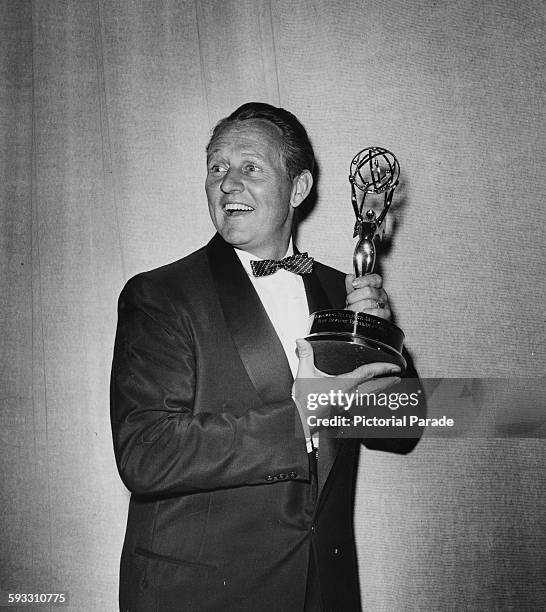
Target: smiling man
[
  {"x": 230, "y": 508},
  {"x": 252, "y": 196}
]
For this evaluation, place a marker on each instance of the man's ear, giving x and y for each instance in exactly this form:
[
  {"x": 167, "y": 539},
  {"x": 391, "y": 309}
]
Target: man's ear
[{"x": 301, "y": 186}]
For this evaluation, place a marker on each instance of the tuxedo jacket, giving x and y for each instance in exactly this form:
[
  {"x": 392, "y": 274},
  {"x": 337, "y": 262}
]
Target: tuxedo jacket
[{"x": 228, "y": 512}]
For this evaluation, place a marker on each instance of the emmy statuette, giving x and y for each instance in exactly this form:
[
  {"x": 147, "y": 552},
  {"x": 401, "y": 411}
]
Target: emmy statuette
[{"x": 343, "y": 340}]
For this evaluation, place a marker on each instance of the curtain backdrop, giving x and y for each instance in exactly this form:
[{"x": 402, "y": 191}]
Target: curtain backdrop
[{"x": 106, "y": 107}]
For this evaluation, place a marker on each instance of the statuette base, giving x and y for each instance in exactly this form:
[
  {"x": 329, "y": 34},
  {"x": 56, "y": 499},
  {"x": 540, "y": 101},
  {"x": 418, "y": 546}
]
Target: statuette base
[{"x": 343, "y": 340}]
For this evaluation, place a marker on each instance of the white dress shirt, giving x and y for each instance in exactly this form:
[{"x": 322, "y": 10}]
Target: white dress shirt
[{"x": 283, "y": 296}]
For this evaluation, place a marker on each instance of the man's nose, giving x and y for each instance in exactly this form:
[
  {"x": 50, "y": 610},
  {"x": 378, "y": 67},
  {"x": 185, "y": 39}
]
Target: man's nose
[{"x": 232, "y": 183}]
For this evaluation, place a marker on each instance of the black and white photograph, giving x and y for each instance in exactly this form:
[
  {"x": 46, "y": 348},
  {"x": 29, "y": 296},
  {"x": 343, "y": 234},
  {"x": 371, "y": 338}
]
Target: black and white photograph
[{"x": 273, "y": 305}]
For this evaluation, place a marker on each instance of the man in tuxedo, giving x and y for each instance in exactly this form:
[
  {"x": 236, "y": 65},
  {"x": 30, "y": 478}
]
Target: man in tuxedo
[{"x": 231, "y": 508}]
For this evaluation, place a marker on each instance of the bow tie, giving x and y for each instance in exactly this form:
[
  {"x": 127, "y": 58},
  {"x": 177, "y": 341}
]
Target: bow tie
[{"x": 300, "y": 263}]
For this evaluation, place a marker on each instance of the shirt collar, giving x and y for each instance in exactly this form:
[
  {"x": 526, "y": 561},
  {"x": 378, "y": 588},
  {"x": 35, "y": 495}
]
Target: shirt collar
[{"x": 245, "y": 257}]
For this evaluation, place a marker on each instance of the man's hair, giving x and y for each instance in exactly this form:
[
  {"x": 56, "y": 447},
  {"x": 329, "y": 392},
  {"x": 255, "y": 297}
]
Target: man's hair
[{"x": 297, "y": 151}]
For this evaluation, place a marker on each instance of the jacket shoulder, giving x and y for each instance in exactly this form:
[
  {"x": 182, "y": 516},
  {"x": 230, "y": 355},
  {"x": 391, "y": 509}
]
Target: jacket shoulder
[{"x": 173, "y": 275}]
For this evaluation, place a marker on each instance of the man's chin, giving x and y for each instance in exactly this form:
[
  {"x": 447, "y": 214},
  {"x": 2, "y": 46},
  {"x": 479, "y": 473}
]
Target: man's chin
[{"x": 237, "y": 239}]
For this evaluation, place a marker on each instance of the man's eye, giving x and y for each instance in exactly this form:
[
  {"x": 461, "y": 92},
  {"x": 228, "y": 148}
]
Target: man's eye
[
  {"x": 252, "y": 168},
  {"x": 216, "y": 168}
]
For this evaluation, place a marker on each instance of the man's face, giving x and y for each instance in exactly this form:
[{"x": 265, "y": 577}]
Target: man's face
[{"x": 248, "y": 189}]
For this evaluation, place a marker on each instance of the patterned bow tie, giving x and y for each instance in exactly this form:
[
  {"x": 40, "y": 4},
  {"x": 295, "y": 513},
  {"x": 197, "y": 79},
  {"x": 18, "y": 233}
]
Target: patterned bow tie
[{"x": 300, "y": 263}]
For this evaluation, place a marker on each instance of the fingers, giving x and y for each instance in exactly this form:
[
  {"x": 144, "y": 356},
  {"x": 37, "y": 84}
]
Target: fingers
[
  {"x": 349, "y": 279},
  {"x": 372, "y": 280},
  {"x": 370, "y": 300},
  {"x": 369, "y": 378},
  {"x": 367, "y": 293},
  {"x": 372, "y": 370},
  {"x": 373, "y": 309},
  {"x": 306, "y": 365},
  {"x": 376, "y": 385}
]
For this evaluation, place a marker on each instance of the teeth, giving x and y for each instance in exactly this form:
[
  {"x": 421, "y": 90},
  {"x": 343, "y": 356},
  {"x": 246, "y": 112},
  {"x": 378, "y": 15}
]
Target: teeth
[{"x": 236, "y": 206}]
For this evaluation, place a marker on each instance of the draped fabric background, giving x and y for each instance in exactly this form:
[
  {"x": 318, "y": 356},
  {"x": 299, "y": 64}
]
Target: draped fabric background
[{"x": 106, "y": 107}]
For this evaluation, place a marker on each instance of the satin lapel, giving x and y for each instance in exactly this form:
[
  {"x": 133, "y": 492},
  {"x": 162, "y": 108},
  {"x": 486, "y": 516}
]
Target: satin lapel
[
  {"x": 259, "y": 346},
  {"x": 317, "y": 299}
]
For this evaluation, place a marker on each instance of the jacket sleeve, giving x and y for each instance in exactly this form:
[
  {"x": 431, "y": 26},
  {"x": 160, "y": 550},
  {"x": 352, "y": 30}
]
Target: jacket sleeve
[{"x": 164, "y": 443}]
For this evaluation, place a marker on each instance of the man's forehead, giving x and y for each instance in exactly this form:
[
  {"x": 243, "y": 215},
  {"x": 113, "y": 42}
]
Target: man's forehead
[{"x": 257, "y": 135}]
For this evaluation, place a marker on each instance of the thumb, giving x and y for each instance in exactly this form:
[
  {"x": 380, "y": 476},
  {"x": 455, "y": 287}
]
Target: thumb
[
  {"x": 306, "y": 366},
  {"x": 349, "y": 283}
]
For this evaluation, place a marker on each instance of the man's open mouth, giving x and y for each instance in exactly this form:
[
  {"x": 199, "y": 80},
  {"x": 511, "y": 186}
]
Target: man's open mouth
[{"x": 237, "y": 208}]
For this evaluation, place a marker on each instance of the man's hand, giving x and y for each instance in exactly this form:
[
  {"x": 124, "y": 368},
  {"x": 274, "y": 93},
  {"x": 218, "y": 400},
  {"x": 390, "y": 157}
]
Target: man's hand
[
  {"x": 308, "y": 380},
  {"x": 366, "y": 294}
]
